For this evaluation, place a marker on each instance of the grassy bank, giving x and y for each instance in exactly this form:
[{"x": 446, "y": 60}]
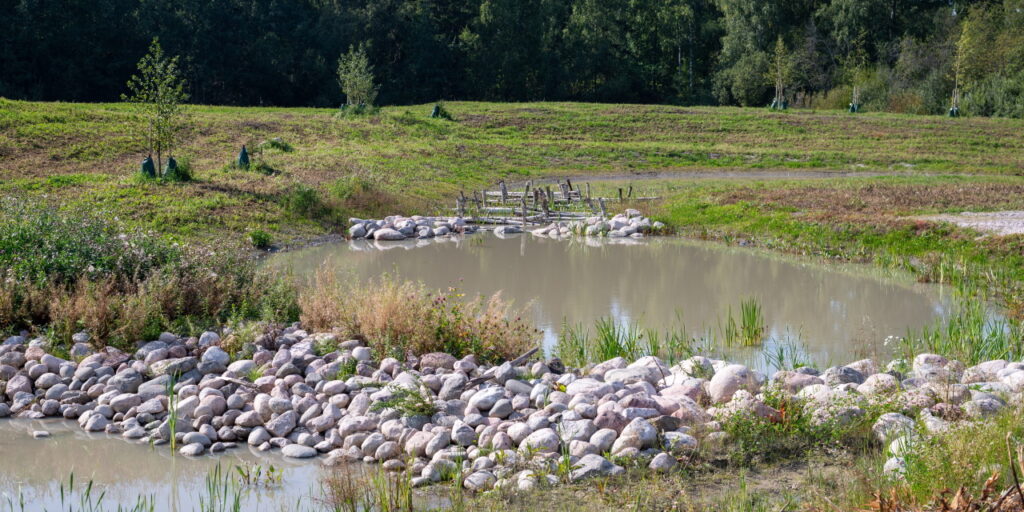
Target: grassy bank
[{"x": 401, "y": 160}]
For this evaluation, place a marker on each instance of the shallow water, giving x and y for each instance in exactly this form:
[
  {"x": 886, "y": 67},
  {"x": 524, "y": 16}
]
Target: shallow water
[
  {"x": 122, "y": 471},
  {"x": 832, "y": 313}
]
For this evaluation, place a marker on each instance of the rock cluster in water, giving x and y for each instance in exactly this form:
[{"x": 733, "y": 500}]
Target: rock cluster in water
[
  {"x": 490, "y": 421},
  {"x": 397, "y": 227},
  {"x": 628, "y": 224}
]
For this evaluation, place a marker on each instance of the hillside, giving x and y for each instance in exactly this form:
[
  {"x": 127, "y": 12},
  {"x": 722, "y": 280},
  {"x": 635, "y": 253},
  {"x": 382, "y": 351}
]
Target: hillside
[{"x": 401, "y": 160}]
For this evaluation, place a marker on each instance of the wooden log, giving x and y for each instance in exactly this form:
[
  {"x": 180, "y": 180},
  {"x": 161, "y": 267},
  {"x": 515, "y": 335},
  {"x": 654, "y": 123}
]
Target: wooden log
[
  {"x": 504, "y": 191},
  {"x": 489, "y": 374},
  {"x": 600, "y": 202},
  {"x": 630, "y": 193}
]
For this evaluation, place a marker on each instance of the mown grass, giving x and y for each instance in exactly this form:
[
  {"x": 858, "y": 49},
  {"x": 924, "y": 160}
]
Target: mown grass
[{"x": 403, "y": 160}]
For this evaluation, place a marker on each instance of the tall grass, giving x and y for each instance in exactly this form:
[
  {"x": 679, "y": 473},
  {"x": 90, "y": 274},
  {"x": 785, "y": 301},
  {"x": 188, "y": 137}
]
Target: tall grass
[
  {"x": 751, "y": 327},
  {"x": 353, "y": 489},
  {"x": 396, "y": 317},
  {"x": 576, "y": 345},
  {"x": 971, "y": 334}
]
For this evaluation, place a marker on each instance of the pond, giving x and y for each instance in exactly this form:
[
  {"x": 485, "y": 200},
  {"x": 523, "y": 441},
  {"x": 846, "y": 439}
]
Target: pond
[
  {"x": 824, "y": 313},
  {"x": 123, "y": 472}
]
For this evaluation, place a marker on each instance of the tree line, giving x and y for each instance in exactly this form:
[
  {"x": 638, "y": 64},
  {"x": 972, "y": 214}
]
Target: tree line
[{"x": 896, "y": 55}]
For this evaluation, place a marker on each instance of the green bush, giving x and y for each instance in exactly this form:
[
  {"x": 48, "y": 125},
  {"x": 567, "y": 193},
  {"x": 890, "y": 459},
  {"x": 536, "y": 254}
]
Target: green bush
[
  {"x": 260, "y": 239},
  {"x": 303, "y": 201},
  {"x": 181, "y": 172}
]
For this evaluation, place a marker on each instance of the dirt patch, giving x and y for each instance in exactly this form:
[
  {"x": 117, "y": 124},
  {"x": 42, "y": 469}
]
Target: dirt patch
[
  {"x": 1002, "y": 223},
  {"x": 718, "y": 174},
  {"x": 888, "y": 198},
  {"x": 488, "y": 121}
]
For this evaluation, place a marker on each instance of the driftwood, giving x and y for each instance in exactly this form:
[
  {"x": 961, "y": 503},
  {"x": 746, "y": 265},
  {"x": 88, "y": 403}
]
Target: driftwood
[{"x": 489, "y": 374}]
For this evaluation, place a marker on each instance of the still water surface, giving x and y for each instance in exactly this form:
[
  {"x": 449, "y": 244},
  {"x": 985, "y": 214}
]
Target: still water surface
[{"x": 833, "y": 313}]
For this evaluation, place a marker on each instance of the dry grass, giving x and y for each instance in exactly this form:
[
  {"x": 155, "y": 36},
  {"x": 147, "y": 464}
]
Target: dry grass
[
  {"x": 884, "y": 198},
  {"x": 399, "y": 317}
]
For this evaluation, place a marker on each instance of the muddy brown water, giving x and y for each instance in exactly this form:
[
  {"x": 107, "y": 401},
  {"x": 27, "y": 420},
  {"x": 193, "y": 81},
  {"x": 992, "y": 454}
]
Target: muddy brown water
[{"x": 823, "y": 312}]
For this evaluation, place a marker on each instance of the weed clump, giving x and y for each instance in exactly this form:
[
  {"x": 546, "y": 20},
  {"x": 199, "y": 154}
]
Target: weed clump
[
  {"x": 408, "y": 402},
  {"x": 260, "y": 239}
]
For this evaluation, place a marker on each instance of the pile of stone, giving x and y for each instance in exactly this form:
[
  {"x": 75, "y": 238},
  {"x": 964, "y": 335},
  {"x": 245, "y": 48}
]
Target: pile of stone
[
  {"x": 495, "y": 425},
  {"x": 628, "y": 224},
  {"x": 397, "y": 227}
]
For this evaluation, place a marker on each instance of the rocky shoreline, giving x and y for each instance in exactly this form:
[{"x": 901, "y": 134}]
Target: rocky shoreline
[{"x": 437, "y": 416}]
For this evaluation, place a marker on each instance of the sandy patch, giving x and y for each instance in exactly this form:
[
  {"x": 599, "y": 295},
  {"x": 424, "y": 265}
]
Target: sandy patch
[{"x": 997, "y": 223}]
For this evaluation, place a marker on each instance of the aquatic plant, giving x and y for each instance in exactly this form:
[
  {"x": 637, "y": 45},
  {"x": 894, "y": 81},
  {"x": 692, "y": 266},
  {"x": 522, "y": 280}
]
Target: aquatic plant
[
  {"x": 750, "y": 329},
  {"x": 970, "y": 334},
  {"x": 617, "y": 339},
  {"x": 221, "y": 492}
]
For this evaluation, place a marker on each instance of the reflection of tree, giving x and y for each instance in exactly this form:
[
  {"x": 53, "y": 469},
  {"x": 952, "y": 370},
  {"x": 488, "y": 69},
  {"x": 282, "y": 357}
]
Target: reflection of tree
[{"x": 655, "y": 281}]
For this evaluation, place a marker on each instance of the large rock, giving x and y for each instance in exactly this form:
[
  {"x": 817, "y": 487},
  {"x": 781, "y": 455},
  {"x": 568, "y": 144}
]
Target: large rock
[
  {"x": 298, "y": 451},
  {"x": 594, "y": 465},
  {"x": 729, "y": 380},
  {"x": 387, "y": 234},
  {"x": 216, "y": 355},
  {"x": 892, "y": 425},
  {"x": 485, "y": 398},
  {"x": 437, "y": 360},
  {"x": 543, "y": 440},
  {"x": 589, "y": 386},
  {"x": 176, "y": 366},
  {"x": 283, "y": 424}
]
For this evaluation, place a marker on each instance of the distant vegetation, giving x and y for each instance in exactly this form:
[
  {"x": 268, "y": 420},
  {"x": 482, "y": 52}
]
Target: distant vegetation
[{"x": 908, "y": 57}]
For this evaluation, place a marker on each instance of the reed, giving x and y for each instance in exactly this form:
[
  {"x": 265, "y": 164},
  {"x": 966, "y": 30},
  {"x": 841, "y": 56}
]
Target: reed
[{"x": 970, "y": 334}]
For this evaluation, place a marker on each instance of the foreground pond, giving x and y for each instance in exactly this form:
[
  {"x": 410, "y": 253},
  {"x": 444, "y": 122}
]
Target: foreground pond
[
  {"x": 829, "y": 313},
  {"x": 123, "y": 473}
]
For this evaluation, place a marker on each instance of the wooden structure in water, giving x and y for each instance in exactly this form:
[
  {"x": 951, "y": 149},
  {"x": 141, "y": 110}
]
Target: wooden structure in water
[{"x": 561, "y": 201}]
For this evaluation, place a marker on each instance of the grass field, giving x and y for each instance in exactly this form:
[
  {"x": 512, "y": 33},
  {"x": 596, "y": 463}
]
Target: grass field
[{"x": 402, "y": 161}]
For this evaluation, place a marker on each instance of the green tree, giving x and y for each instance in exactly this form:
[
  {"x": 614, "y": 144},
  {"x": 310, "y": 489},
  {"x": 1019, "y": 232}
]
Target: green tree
[
  {"x": 158, "y": 92},
  {"x": 355, "y": 76},
  {"x": 780, "y": 72}
]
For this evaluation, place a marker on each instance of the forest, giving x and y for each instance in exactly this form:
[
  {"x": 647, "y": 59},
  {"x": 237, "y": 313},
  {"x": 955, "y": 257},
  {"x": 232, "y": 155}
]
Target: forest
[{"x": 886, "y": 55}]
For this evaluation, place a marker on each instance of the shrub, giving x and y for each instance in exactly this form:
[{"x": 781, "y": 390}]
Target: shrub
[
  {"x": 303, "y": 200},
  {"x": 408, "y": 402},
  {"x": 359, "y": 193},
  {"x": 72, "y": 271},
  {"x": 47, "y": 246},
  {"x": 260, "y": 239}
]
